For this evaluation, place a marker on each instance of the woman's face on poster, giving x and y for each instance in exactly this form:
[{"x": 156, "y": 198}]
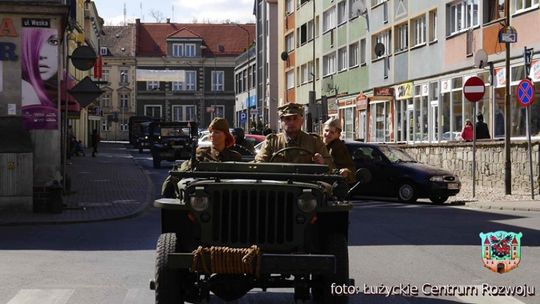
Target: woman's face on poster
[{"x": 48, "y": 57}]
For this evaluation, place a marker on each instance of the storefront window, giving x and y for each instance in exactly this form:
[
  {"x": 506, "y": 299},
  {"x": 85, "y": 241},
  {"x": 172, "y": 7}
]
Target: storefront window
[
  {"x": 433, "y": 118},
  {"x": 499, "y": 112},
  {"x": 378, "y": 127},
  {"x": 399, "y": 120},
  {"x": 445, "y": 116},
  {"x": 348, "y": 128}
]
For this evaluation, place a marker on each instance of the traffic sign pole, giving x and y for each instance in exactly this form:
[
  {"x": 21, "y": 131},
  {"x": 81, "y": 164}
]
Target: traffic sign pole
[
  {"x": 474, "y": 90},
  {"x": 474, "y": 154},
  {"x": 528, "y": 117}
]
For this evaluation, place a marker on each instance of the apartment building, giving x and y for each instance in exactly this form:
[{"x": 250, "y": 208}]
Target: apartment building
[
  {"x": 185, "y": 72},
  {"x": 245, "y": 88},
  {"x": 118, "y": 101},
  {"x": 417, "y": 54}
]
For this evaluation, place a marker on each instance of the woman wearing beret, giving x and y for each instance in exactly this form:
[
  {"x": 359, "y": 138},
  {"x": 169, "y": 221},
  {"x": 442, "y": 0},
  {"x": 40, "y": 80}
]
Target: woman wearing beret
[{"x": 337, "y": 149}]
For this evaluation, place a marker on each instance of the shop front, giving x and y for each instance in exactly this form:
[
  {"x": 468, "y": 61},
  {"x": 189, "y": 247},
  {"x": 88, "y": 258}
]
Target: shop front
[
  {"x": 381, "y": 113},
  {"x": 347, "y": 109}
]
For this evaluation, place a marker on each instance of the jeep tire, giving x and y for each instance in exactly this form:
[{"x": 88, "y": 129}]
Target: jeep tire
[
  {"x": 336, "y": 244},
  {"x": 168, "y": 282}
]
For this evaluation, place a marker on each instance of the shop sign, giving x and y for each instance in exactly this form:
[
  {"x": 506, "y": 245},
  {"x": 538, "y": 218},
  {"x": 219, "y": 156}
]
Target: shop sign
[
  {"x": 361, "y": 102},
  {"x": 36, "y": 22},
  {"x": 7, "y": 49},
  {"x": 384, "y": 91},
  {"x": 535, "y": 71},
  {"x": 332, "y": 107},
  {"x": 445, "y": 86},
  {"x": 404, "y": 91},
  {"x": 346, "y": 102}
]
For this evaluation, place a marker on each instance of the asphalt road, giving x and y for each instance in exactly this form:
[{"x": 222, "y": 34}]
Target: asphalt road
[{"x": 391, "y": 245}]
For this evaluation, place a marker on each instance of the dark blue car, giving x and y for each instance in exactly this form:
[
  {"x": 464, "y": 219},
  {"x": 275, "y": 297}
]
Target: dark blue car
[{"x": 394, "y": 173}]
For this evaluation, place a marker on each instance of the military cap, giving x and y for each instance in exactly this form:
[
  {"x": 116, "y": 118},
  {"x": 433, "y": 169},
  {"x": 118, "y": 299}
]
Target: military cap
[{"x": 290, "y": 109}]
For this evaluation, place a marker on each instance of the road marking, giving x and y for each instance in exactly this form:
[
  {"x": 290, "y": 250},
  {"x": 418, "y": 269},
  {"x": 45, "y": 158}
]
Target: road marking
[
  {"x": 42, "y": 296},
  {"x": 138, "y": 296},
  {"x": 489, "y": 300}
]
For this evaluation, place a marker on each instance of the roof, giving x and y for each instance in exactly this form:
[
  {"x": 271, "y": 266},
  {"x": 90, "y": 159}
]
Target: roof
[
  {"x": 119, "y": 40},
  {"x": 233, "y": 38}
]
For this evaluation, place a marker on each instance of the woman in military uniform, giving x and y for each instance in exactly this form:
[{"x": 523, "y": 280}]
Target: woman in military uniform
[
  {"x": 337, "y": 149},
  {"x": 219, "y": 151}
]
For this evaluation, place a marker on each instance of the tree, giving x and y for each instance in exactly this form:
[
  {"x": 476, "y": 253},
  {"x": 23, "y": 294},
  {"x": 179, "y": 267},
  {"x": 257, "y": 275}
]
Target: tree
[{"x": 157, "y": 15}]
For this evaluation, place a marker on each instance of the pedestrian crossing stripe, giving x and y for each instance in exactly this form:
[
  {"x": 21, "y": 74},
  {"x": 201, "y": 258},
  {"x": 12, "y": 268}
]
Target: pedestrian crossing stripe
[{"x": 42, "y": 296}]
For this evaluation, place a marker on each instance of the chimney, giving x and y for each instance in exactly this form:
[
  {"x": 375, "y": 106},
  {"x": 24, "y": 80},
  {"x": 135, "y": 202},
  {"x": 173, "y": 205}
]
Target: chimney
[
  {"x": 168, "y": 20},
  {"x": 138, "y": 21}
]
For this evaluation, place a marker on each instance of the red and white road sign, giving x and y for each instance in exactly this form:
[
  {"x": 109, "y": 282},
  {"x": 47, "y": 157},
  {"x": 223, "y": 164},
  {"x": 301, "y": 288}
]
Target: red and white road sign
[{"x": 474, "y": 89}]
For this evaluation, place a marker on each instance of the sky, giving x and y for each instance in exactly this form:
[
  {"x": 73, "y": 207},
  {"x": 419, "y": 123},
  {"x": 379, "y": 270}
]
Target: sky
[{"x": 112, "y": 11}]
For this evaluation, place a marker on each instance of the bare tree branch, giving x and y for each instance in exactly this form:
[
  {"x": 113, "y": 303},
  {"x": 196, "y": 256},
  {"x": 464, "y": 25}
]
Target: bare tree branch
[{"x": 157, "y": 15}]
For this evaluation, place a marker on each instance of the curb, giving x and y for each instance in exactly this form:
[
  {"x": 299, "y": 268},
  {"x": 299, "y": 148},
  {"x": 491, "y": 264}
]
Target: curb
[
  {"x": 147, "y": 203},
  {"x": 509, "y": 208}
]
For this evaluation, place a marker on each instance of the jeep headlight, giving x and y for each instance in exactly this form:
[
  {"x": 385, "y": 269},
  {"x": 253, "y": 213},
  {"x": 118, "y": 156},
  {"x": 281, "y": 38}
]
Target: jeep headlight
[
  {"x": 199, "y": 203},
  {"x": 307, "y": 202}
]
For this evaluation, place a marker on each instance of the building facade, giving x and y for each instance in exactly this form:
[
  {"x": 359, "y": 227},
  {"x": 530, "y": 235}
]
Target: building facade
[
  {"x": 118, "y": 102},
  {"x": 245, "y": 80},
  {"x": 185, "y": 72},
  {"x": 413, "y": 59}
]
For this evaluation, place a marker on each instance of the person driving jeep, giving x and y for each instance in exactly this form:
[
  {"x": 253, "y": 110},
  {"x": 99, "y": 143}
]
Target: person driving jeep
[
  {"x": 219, "y": 151},
  {"x": 311, "y": 149}
]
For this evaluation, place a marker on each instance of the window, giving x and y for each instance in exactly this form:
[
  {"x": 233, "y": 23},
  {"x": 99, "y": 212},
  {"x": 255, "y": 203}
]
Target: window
[
  {"x": 177, "y": 50},
  {"x": 353, "y": 54},
  {"x": 310, "y": 30},
  {"x": 305, "y": 32},
  {"x": 354, "y": 8},
  {"x": 177, "y": 86},
  {"x": 124, "y": 76},
  {"x": 152, "y": 85},
  {"x": 329, "y": 19},
  {"x": 183, "y": 113},
  {"x": 310, "y": 71},
  {"x": 124, "y": 102},
  {"x": 218, "y": 80},
  {"x": 191, "y": 78},
  {"x": 418, "y": 29},
  {"x": 342, "y": 12},
  {"x": 523, "y": 5},
  {"x": 290, "y": 6},
  {"x": 290, "y": 79},
  {"x": 433, "y": 25},
  {"x": 103, "y": 51},
  {"x": 402, "y": 37},
  {"x": 189, "y": 50},
  {"x": 304, "y": 74},
  {"x": 342, "y": 59},
  {"x": 289, "y": 42},
  {"x": 106, "y": 100},
  {"x": 493, "y": 10},
  {"x": 105, "y": 75},
  {"x": 105, "y": 125},
  {"x": 124, "y": 125},
  {"x": 219, "y": 111},
  {"x": 462, "y": 16},
  {"x": 377, "y": 2},
  {"x": 152, "y": 111},
  {"x": 329, "y": 64},
  {"x": 363, "y": 51},
  {"x": 384, "y": 38}
]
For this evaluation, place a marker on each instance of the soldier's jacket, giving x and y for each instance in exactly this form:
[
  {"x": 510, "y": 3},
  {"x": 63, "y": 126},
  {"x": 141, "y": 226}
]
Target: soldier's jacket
[
  {"x": 342, "y": 158},
  {"x": 312, "y": 143},
  {"x": 209, "y": 154}
]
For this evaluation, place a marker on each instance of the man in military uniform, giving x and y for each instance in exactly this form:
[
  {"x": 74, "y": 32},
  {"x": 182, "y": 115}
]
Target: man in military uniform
[{"x": 292, "y": 119}]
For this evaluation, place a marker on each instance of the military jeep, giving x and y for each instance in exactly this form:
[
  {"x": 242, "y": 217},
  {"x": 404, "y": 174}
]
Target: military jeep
[
  {"x": 231, "y": 227},
  {"x": 170, "y": 141}
]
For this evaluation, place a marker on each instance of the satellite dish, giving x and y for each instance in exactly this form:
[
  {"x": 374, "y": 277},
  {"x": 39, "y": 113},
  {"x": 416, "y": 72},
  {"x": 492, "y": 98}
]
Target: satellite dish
[
  {"x": 480, "y": 58},
  {"x": 379, "y": 49},
  {"x": 284, "y": 56}
]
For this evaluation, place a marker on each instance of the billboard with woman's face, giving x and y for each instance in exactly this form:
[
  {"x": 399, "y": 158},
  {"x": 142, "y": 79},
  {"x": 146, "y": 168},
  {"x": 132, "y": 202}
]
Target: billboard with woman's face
[{"x": 39, "y": 59}]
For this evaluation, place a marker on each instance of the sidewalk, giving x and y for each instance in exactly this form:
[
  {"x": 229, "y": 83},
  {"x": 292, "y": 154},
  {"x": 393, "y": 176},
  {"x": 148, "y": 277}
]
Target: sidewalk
[{"x": 109, "y": 186}]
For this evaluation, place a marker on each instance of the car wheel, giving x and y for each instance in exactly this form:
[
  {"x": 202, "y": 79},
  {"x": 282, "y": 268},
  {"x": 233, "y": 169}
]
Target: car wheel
[
  {"x": 407, "y": 193},
  {"x": 157, "y": 162},
  {"x": 438, "y": 199},
  {"x": 168, "y": 282},
  {"x": 336, "y": 244}
]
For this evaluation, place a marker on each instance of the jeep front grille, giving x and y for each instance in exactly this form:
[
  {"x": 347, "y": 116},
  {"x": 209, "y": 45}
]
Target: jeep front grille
[{"x": 253, "y": 216}]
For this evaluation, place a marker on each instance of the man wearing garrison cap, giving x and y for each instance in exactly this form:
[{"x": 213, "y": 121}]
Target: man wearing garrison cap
[{"x": 292, "y": 119}]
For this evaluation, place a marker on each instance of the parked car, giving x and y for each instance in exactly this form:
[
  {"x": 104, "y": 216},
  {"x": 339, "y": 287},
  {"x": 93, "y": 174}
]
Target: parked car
[{"x": 395, "y": 173}]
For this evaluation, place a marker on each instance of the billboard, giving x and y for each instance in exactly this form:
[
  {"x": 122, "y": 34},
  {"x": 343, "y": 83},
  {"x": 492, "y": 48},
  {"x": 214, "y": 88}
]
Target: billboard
[{"x": 39, "y": 83}]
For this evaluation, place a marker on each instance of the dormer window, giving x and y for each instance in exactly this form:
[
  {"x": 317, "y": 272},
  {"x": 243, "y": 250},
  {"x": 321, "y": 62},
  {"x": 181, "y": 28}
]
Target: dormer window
[
  {"x": 184, "y": 50},
  {"x": 178, "y": 50}
]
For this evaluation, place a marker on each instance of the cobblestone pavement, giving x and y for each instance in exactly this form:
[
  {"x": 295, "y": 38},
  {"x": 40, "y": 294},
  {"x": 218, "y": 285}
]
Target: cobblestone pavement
[{"x": 109, "y": 186}]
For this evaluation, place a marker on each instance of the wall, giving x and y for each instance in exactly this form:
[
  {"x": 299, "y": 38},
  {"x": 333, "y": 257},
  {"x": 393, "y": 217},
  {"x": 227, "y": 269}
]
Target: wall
[{"x": 490, "y": 158}]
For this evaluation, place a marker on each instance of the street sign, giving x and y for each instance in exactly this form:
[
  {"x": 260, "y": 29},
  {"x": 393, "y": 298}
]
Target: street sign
[
  {"x": 243, "y": 117},
  {"x": 474, "y": 89},
  {"x": 525, "y": 92}
]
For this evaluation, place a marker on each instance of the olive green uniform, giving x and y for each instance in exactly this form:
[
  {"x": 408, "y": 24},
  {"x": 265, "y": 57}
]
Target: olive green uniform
[
  {"x": 312, "y": 143},
  {"x": 342, "y": 157},
  {"x": 204, "y": 154}
]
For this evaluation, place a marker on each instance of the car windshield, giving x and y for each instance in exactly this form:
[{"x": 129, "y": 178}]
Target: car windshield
[
  {"x": 172, "y": 131},
  {"x": 396, "y": 155}
]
